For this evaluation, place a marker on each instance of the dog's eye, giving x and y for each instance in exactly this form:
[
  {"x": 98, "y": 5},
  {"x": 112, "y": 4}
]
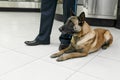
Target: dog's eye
[
  {"x": 71, "y": 23},
  {"x": 80, "y": 23}
]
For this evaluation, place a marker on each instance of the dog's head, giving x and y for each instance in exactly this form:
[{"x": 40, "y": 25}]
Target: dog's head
[{"x": 73, "y": 24}]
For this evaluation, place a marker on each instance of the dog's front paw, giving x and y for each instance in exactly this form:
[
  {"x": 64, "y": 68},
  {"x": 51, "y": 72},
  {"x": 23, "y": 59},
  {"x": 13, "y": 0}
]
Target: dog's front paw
[
  {"x": 54, "y": 55},
  {"x": 61, "y": 58}
]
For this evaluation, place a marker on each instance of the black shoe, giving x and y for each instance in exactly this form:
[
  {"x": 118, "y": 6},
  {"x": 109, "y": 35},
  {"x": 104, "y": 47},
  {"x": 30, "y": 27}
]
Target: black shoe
[
  {"x": 63, "y": 46},
  {"x": 34, "y": 43}
]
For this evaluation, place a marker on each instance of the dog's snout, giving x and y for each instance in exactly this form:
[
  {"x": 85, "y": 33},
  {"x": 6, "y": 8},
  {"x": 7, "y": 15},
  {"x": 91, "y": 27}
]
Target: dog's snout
[{"x": 60, "y": 29}]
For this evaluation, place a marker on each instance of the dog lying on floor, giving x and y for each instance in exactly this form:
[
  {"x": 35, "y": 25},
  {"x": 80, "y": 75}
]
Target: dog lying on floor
[{"x": 84, "y": 40}]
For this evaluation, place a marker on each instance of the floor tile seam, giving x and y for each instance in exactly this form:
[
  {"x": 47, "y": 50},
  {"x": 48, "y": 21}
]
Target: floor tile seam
[
  {"x": 2, "y": 46},
  {"x": 68, "y": 68},
  {"x": 99, "y": 78},
  {"x": 87, "y": 62},
  {"x": 18, "y": 67},
  {"x": 77, "y": 70},
  {"x": 23, "y": 53},
  {"x": 108, "y": 58},
  {"x": 2, "y": 52},
  {"x": 80, "y": 67},
  {"x": 14, "y": 69},
  {"x": 8, "y": 49},
  {"x": 72, "y": 74},
  {"x": 19, "y": 52},
  {"x": 62, "y": 65},
  {"x": 29, "y": 55},
  {"x": 46, "y": 55},
  {"x": 14, "y": 49}
]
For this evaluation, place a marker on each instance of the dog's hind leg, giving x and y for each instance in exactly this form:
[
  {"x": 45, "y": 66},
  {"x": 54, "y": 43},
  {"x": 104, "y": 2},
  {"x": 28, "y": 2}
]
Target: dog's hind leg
[{"x": 108, "y": 40}]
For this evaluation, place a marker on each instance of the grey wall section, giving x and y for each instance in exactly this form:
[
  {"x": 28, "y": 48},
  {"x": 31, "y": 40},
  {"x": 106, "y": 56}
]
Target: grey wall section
[
  {"x": 102, "y": 7},
  {"x": 80, "y": 1},
  {"x": 19, "y": 4}
]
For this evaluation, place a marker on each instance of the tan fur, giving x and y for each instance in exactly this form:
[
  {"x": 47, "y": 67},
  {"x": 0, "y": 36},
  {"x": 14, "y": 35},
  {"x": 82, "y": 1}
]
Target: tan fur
[{"x": 86, "y": 41}]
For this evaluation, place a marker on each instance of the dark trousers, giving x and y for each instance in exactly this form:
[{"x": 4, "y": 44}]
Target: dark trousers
[
  {"x": 118, "y": 16},
  {"x": 48, "y": 8}
]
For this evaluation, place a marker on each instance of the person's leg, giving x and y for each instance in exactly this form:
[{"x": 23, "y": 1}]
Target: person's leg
[
  {"x": 48, "y": 8},
  {"x": 67, "y": 6},
  {"x": 118, "y": 16}
]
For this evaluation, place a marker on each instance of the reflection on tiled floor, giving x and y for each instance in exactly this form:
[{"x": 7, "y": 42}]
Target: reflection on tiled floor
[{"x": 21, "y": 62}]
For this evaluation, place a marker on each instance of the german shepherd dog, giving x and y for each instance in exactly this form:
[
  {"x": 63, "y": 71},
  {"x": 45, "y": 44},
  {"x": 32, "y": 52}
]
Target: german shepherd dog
[{"x": 84, "y": 40}]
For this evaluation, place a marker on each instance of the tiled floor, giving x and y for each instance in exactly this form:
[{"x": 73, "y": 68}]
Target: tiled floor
[{"x": 21, "y": 62}]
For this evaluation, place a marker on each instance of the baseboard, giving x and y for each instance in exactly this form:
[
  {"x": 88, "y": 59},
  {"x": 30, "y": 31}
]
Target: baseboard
[{"x": 19, "y": 9}]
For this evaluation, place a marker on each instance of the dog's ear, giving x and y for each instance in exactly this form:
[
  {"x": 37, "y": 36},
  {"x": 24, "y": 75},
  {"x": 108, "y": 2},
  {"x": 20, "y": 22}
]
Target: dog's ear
[
  {"x": 72, "y": 13},
  {"x": 81, "y": 17}
]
